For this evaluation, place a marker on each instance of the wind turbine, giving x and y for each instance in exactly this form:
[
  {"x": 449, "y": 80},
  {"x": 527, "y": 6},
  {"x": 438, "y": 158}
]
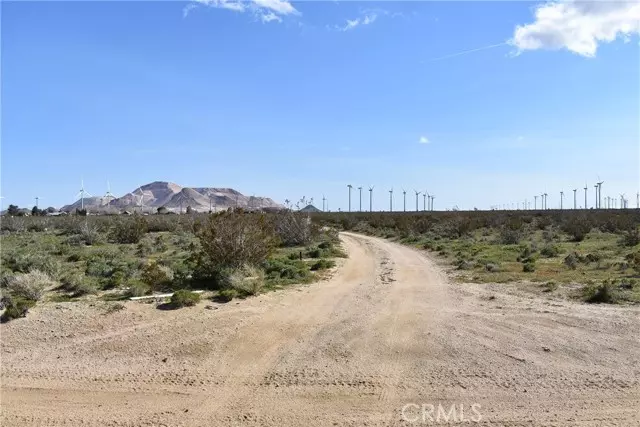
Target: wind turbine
[
  {"x": 424, "y": 201},
  {"x": 81, "y": 194},
  {"x": 141, "y": 202},
  {"x": 370, "y": 199},
  {"x": 535, "y": 202},
  {"x": 360, "y": 189},
  {"x": 597, "y": 204},
  {"x": 622, "y": 202},
  {"x": 545, "y": 200},
  {"x": 404, "y": 196},
  {"x": 600, "y": 192},
  {"x": 350, "y": 187},
  {"x": 37, "y": 199},
  {"x": 391, "y": 200},
  {"x": 417, "y": 194},
  {"x": 574, "y": 198},
  {"x": 585, "y": 195},
  {"x": 109, "y": 195},
  {"x": 638, "y": 200},
  {"x": 561, "y": 198},
  {"x": 429, "y": 202},
  {"x": 432, "y": 197},
  {"x": 323, "y": 202}
]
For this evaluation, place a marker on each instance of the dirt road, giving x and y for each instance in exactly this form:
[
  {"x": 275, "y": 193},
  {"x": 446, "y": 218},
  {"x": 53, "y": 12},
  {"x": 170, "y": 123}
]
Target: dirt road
[{"x": 386, "y": 333}]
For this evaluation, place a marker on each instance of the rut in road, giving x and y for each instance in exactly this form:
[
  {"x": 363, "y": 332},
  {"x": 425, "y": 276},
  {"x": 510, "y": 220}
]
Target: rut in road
[{"x": 385, "y": 331}]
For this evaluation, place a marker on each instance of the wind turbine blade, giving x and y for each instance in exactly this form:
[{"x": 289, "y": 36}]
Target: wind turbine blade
[{"x": 88, "y": 194}]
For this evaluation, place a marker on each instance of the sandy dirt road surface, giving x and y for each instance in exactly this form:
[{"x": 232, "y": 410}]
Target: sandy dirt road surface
[{"x": 386, "y": 332}]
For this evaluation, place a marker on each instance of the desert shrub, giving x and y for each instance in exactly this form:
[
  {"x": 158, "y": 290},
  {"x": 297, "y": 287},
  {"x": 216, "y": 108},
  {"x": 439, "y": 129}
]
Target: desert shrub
[
  {"x": 31, "y": 285},
  {"x": 12, "y": 224},
  {"x": 510, "y": 236},
  {"x": 314, "y": 253},
  {"x": 600, "y": 294},
  {"x": 15, "y": 307},
  {"x": 492, "y": 267},
  {"x": 550, "y": 251},
  {"x": 128, "y": 230},
  {"x": 247, "y": 279},
  {"x": 144, "y": 248},
  {"x": 323, "y": 264},
  {"x": 285, "y": 270},
  {"x": 89, "y": 234},
  {"x": 156, "y": 276},
  {"x": 550, "y": 286},
  {"x": 77, "y": 284},
  {"x": 184, "y": 298},
  {"x": 577, "y": 227},
  {"x": 293, "y": 228},
  {"x": 594, "y": 257},
  {"x": 464, "y": 265},
  {"x": 137, "y": 288},
  {"x": 37, "y": 226},
  {"x": 529, "y": 267},
  {"x": 572, "y": 260},
  {"x": 231, "y": 240},
  {"x": 630, "y": 238},
  {"x": 227, "y": 295}
]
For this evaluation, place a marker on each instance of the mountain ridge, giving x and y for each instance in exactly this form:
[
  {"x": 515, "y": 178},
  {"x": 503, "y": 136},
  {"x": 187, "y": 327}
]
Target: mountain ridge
[{"x": 173, "y": 197}]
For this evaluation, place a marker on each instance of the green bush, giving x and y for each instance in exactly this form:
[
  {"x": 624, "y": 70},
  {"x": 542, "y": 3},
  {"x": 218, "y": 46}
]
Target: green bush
[
  {"x": 631, "y": 237},
  {"x": 184, "y": 298},
  {"x": 156, "y": 276},
  {"x": 528, "y": 267},
  {"x": 128, "y": 230},
  {"x": 227, "y": 295},
  {"x": 231, "y": 240},
  {"x": 77, "y": 284},
  {"x": 323, "y": 264},
  {"x": 577, "y": 227},
  {"x": 15, "y": 307},
  {"x": 137, "y": 288},
  {"x": 601, "y": 294},
  {"x": 550, "y": 251}
]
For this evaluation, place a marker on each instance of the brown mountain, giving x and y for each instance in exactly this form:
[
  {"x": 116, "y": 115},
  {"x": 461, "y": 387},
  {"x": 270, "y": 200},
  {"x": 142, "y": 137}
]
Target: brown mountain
[{"x": 175, "y": 198}]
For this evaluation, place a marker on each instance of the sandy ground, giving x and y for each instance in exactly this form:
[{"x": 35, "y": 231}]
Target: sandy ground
[{"x": 386, "y": 332}]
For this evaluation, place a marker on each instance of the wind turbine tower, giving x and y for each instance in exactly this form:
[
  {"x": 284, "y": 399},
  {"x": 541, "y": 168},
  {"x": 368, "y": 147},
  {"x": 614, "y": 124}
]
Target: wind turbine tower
[
  {"x": 424, "y": 201},
  {"x": 370, "y": 199},
  {"x": 600, "y": 193},
  {"x": 535, "y": 202},
  {"x": 404, "y": 197},
  {"x": 323, "y": 202},
  {"x": 417, "y": 195},
  {"x": 360, "y": 190},
  {"x": 82, "y": 193},
  {"x": 350, "y": 187},
  {"x": 561, "y": 198},
  {"x": 391, "y": 200},
  {"x": 574, "y": 198},
  {"x": 585, "y": 195},
  {"x": 432, "y": 197},
  {"x": 597, "y": 204},
  {"x": 545, "y": 200}
]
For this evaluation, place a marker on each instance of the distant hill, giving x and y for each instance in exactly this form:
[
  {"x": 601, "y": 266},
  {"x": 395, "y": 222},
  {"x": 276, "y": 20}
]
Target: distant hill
[
  {"x": 310, "y": 208},
  {"x": 175, "y": 198}
]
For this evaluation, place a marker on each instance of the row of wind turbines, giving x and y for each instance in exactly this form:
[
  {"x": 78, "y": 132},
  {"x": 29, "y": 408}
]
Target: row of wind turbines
[
  {"x": 425, "y": 195},
  {"x": 610, "y": 202}
]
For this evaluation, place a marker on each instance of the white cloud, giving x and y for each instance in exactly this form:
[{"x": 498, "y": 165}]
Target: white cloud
[
  {"x": 266, "y": 10},
  {"x": 187, "y": 9},
  {"x": 423, "y": 140},
  {"x": 367, "y": 19},
  {"x": 578, "y": 26}
]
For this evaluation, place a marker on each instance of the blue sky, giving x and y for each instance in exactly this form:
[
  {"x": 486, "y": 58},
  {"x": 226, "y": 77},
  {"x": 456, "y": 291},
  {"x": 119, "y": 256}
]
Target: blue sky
[{"x": 300, "y": 99}]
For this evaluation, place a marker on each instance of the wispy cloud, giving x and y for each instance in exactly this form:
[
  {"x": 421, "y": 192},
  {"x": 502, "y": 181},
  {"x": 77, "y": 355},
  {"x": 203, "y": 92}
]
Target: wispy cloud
[
  {"x": 578, "y": 26},
  {"x": 465, "y": 52},
  {"x": 424, "y": 140},
  {"x": 265, "y": 10},
  {"x": 366, "y": 19}
]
